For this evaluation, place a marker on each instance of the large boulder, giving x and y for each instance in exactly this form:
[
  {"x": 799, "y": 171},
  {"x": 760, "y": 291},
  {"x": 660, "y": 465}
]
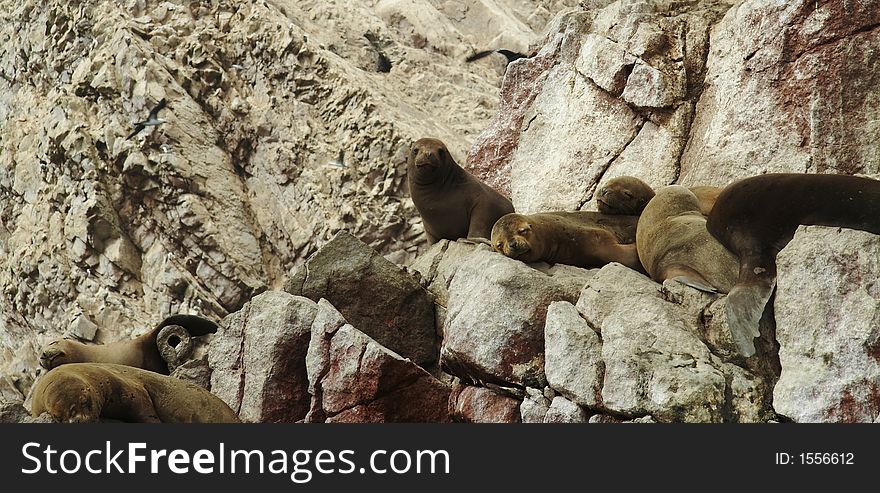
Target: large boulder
[
  {"x": 258, "y": 358},
  {"x": 494, "y": 330},
  {"x": 573, "y": 360},
  {"x": 827, "y": 312},
  {"x": 378, "y": 297},
  {"x": 352, "y": 378}
]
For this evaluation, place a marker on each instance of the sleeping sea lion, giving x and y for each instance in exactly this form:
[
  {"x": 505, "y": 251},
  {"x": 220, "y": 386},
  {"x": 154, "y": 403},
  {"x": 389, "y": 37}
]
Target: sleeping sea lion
[
  {"x": 453, "y": 203},
  {"x": 87, "y": 392},
  {"x": 673, "y": 243},
  {"x": 756, "y": 217},
  {"x": 630, "y": 195},
  {"x": 561, "y": 238},
  {"x": 141, "y": 352}
]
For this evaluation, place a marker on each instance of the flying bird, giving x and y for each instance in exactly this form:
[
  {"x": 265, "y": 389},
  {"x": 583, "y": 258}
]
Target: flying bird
[
  {"x": 151, "y": 121},
  {"x": 510, "y": 55}
]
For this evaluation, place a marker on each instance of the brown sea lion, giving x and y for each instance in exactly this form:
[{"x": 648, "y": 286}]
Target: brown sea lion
[
  {"x": 560, "y": 238},
  {"x": 86, "y": 392},
  {"x": 141, "y": 352},
  {"x": 624, "y": 195},
  {"x": 453, "y": 203},
  {"x": 756, "y": 217},
  {"x": 630, "y": 195},
  {"x": 673, "y": 243}
]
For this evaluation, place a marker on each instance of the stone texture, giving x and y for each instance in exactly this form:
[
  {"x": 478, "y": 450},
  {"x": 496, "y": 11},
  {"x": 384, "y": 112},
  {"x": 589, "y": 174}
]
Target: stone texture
[
  {"x": 258, "y": 358},
  {"x": 828, "y": 325},
  {"x": 772, "y": 100},
  {"x": 12, "y": 408},
  {"x": 607, "y": 93},
  {"x": 398, "y": 312},
  {"x": 534, "y": 406},
  {"x": 481, "y": 405},
  {"x": 204, "y": 212},
  {"x": 573, "y": 355},
  {"x": 503, "y": 346},
  {"x": 563, "y": 410},
  {"x": 354, "y": 379}
]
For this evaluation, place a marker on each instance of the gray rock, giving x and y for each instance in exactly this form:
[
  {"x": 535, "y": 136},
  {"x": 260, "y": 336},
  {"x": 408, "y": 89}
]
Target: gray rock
[
  {"x": 613, "y": 285},
  {"x": 534, "y": 406},
  {"x": 563, "y": 410},
  {"x": 83, "y": 328},
  {"x": 397, "y": 312},
  {"x": 827, "y": 310},
  {"x": 494, "y": 328},
  {"x": 12, "y": 408},
  {"x": 258, "y": 358},
  {"x": 352, "y": 378},
  {"x": 573, "y": 355}
]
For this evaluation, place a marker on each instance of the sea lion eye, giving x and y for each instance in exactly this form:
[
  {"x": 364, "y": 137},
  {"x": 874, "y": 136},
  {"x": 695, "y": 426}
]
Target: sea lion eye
[
  {"x": 414, "y": 151},
  {"x": 523, "y": 231},
  {"x": 440, "y": 152},
  {"x": 628, "y": 194}
]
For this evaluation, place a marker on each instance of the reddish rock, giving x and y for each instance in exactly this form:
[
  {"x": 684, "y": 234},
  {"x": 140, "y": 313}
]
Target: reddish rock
[
  {"x": 353, "y": 378},
  {"x": 481, "y": 405}
]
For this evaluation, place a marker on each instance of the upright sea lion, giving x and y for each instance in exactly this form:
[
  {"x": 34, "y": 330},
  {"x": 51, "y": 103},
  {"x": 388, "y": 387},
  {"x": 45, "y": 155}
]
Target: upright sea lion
[
  {"x": 673, "y": 243},
  {"x": 141, "y": 352},
  {"x": 85, "y": 392},
  {"x": 630, "y": 195},
  {"x": 560, "y": 238},
  {"x": 756, "y": 217},
  {"x": 453, "y": 203}
]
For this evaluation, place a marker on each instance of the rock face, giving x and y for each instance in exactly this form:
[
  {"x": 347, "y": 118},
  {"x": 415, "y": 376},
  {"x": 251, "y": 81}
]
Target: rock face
[
  {"x": 354, "y": 379},
  {"x": 504, "y": 345},
  {"x": 258, "y": 358},
  {"x": 287, "y": 122},
  {"x": 378, "y": 297},
  {"x": 829, "y": 347}
]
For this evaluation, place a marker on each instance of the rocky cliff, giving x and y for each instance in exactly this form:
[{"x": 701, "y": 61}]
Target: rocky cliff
[{"x": 287, "y": 123}]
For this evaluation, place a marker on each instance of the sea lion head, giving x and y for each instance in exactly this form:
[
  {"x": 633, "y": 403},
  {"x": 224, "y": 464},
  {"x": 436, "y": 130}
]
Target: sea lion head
[
  {"x": 59, "y": 352},
  {"x": 429, "y": 161},
  {"x": 624, "y": 195},
  {"x": 66, "y": 398},
  {"x": 512, "y": 236}
]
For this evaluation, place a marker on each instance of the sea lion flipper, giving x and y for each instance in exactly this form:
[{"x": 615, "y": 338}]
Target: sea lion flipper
[
  {"x": 695, "y": 284},
  {"x": 745, "y": 305}
]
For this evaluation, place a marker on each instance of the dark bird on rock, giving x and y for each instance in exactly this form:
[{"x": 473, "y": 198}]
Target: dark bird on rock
[
  {"x": 151, "y": 121},
  {"x": 510, "y": 55}
]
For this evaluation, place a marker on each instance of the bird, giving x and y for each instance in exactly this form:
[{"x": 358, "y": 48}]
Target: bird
[
  {"x": 510, "y": 55},
  {"x": 151, "y": 121}
]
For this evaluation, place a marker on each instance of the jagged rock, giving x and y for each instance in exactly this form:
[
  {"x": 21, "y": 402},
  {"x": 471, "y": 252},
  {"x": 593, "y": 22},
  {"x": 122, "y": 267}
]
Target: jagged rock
[
  {"x": 242, "y": 183},
  {"x": 534, "y": 406},
  {"x": 606, "y": 94},
  {"x": 827, "y": 307},
  {"x": 771, "y": 102},
  {"x": 12, "y": 408},
  {"x": 258, "y": 358},
  {"x": 197, "y": 371},
  {"x": 573, "y": 359},
  {"x": 481, "y": 405},
  {"x": 494, "y": 328},
  {"x": 398, "y": 312},
  {"x": 563, "y": 410},
  {"x": 82, "y": 328},
  {"x": 352, "y": 378}
]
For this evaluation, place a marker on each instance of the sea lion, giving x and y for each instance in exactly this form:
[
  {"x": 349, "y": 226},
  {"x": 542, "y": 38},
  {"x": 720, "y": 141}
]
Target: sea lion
[
  {"x": 141, "y": 352},
  {"x": 86, "y": 392},
  {"x": 453, "y": 203},
  {"x": 560, "y": 238},
  {"x": 630, "y": 195},
  {"x": 756, "y": 217},
  {"x": 673, "y": 243},
  {"x": 624, "y": 195}
]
